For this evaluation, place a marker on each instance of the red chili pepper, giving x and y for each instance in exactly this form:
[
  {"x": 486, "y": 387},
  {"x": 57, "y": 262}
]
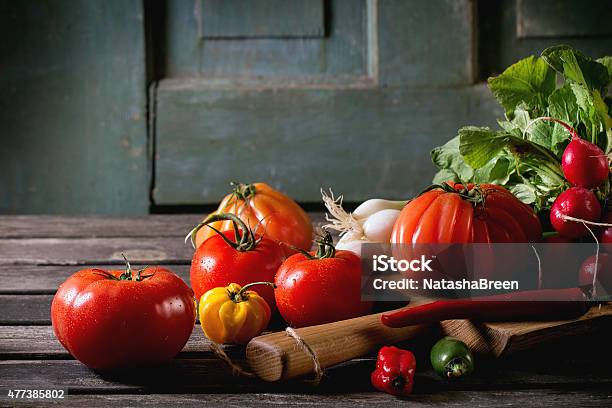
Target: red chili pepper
[
  {"x": 394, "y": 372},
  {"x": 536, "y": 305}
]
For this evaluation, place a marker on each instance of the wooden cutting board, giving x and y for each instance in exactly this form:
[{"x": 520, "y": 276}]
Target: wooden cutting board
[
  {"x": 278, "y": 356},
  {"x": 499, "y": 339}
]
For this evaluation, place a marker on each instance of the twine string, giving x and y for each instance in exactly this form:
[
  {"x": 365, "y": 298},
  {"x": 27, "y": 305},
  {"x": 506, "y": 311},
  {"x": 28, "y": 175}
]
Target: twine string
[
  {"x": 302, "y": 344},
  {"x": 318, "y": 371},
  {"x": 236, "y": 369}
]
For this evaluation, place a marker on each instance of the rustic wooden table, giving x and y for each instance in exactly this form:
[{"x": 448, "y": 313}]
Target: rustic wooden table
[{"x": 38, "y": 252}]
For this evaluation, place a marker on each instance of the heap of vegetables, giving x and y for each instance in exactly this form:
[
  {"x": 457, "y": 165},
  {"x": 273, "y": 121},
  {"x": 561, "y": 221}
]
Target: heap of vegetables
[
  {"x": 304, "y": 287},
  {"x": 251, "y": 260},
  {"x": 532, "y": 153}
]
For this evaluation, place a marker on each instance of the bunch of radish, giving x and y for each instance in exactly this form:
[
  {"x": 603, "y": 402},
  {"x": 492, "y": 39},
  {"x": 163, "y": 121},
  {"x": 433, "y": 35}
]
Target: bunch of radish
[{"x": 586, "y": 167}]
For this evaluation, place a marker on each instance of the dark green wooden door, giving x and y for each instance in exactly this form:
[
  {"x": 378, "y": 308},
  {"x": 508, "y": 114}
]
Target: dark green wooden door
[
  {"x": 350, "y": 95},
  {"x": 302, "y": 94}
]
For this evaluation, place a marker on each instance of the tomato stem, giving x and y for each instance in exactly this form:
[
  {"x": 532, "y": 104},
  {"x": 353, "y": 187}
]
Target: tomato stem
[
  {"x": 127, "y": 275},
  {"x": 476, "y": 195},
  {"x": 105, "y": 274},
  {"x": 325, "y": 247},
  {"x": 243, "y": 191},
  {"x": 244, "y": 237},
  {"x": 239, "y": 296}
]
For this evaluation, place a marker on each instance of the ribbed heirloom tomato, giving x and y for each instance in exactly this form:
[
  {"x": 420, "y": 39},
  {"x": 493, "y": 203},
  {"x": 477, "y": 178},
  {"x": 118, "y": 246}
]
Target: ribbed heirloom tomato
[
  {"x": 455, "y": 214},
  {"x": 452, "y": 213},
  {"x": 110, "y": 319},
  {"x": 281, "y": 218}
]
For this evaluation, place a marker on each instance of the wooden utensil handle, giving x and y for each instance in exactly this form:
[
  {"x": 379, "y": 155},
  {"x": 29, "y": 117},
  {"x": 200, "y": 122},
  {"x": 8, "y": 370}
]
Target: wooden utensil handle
[{"x": 277, "y": 356}]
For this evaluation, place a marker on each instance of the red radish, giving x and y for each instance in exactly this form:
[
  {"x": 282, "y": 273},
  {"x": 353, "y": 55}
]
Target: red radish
[
  {"x": 606, "y": 234},
  {"x": 574, "y": 205},
  {"x": 584, "y": 163},
  {"x": 604, "y": 271},
  {"x": 557, "y": 239}
]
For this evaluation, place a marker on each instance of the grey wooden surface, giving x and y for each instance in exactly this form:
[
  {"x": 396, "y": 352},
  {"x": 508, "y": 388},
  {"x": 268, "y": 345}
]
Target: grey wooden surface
[{"x": 572, "y": 372}]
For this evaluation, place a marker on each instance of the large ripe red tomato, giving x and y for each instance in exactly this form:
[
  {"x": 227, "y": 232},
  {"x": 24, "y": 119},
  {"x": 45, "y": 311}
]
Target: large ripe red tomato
[
  {"x": 110, "y": 319},
  {"x": 320, "y": 288},
  {"x": 281, "y": 218},
  {"x": 220, "y": 261},
  {"x": 483, "y": 213}
]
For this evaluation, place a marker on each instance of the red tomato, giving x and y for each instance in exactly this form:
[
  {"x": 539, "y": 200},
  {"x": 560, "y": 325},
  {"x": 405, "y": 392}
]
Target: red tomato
[
  {"x": 110, "y": 319},
  {"x": 320, "y": 288},
  {"x": 281, "y": 218},
  {"x": 219, "y": 262},
  {"x": 454, "y": 214}
]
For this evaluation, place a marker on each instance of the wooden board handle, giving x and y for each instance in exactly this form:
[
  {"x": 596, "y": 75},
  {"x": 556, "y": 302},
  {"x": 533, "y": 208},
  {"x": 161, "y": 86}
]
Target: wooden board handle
[{"x": 277, "y": 356}]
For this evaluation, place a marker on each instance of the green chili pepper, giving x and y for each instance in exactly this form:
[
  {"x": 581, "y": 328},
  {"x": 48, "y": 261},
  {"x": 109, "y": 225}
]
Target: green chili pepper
[{"x": 451, "y": 358}]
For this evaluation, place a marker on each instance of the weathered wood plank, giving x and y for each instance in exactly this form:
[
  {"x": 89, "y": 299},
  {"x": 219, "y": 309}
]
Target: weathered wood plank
[
  {"x": 89, "y": 251},
  {"x": 35, "y": 310},
  {"x": 38, "y": 266},
  {"x": 390, "y": 132},
  {"x": 39, "y": 342},
  {"x": 176, "y": 375},
  {"x": 449, "y": 399},
  {"x": 206, "y": 375},
  {"x": 53, "y": 226},
  {"x": 197, "y": 369},
  {"x": 261, "y": 19},
  {"x": 44, "y": 279},
  {"x": 73, "y": 108},
  {"x": 25, "y": 309},
  {"x": 149, "y": 226}
]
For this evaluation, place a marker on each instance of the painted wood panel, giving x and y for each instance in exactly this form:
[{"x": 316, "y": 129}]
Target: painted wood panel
[
  {"x": 261, "y": 18},
  {"x": 500, "y": 45},
  {"x": 341, "y": 53},
  {"x": 302, "y": 126},
  {"x": 360, "y": 142},
  {"x": 563, "y": 18},
  {"x": 73, "y": 107},
  {"x": 426, "y": 42}
]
